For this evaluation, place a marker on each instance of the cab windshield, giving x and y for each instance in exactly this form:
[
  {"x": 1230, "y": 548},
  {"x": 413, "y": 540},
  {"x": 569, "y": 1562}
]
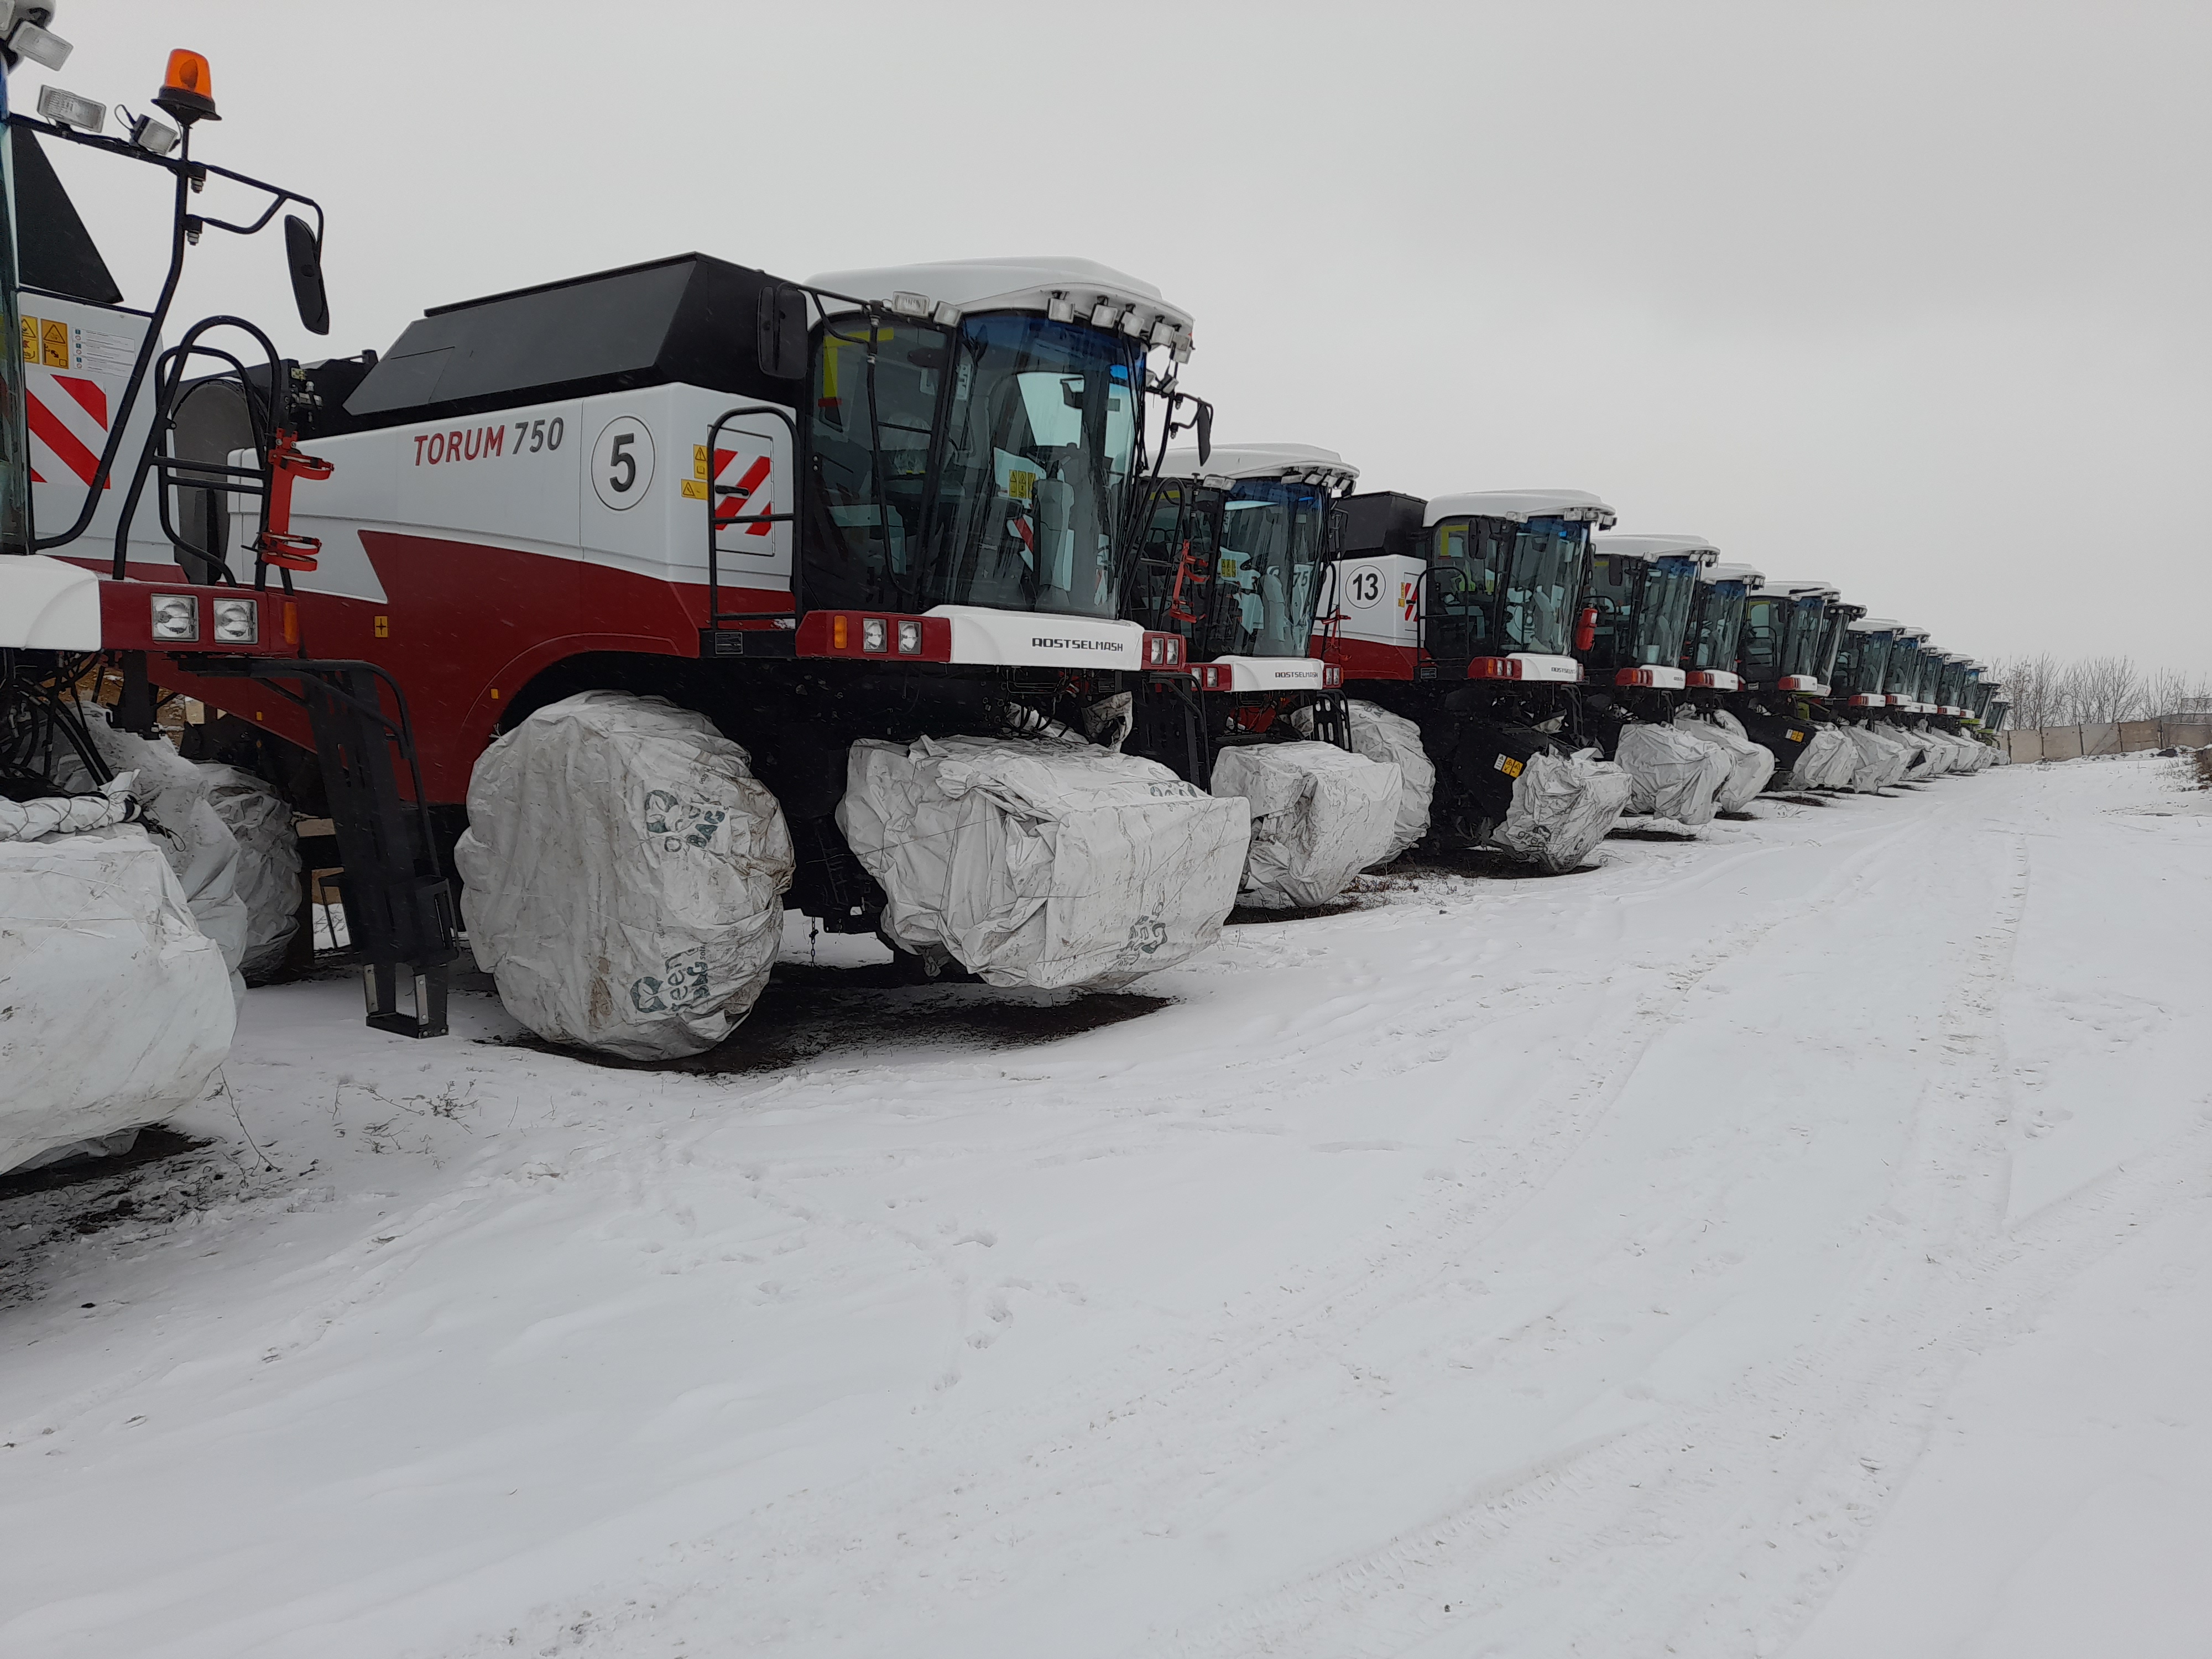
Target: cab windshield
[
  {"x": 1801, "y": 644},
  {"x": 1497, "y": 587},
  {"x": 1904, "y": 671},
  {"x": 1764, "y": 615},
  {"x": 1720, "y": 619},
  {"x": 1669, "y": 589},
  {"x": 1170, "y": 583},
  {"x": 1273, "y": 536},
  {"x": 1859, "y": 664},
  {"x": 1832, "y": 642},
  {"x": 989, "y": 465}
]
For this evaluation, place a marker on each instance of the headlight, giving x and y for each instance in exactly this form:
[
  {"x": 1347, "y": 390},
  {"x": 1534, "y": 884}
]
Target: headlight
[
  {"x": 176, "y": 617},
  {"x": 875, "y": 634},
  {"x": 910, "y": 639},
  {"x": 237, "y": 622}
]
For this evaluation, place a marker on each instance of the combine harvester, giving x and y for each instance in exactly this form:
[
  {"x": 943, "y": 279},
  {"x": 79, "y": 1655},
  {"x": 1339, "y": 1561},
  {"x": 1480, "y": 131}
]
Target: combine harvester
[
  {"x": 1460, "y": 615},
  {"x": 1779, "y": 662},
  {"x": 719, "y": 593},
  {"x": 1683, "y": 764},
  {"x": 1234, "y": 554},
  {"x": 126, "y": 950}
]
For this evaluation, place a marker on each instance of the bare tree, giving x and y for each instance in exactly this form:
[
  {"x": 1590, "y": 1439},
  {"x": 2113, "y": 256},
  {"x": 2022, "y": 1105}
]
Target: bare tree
[{"x": 2103, "y": 689}]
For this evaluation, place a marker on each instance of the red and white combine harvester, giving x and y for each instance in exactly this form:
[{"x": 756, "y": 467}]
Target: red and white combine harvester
[{"x": 768, "y": 592}]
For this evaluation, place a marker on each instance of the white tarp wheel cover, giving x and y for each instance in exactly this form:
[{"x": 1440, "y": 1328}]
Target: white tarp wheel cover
[
  {"x": 1827, "y": 762},
  {"x": 1319, "y": 816},
  {"x": 1382, "y": 736},
  {"x": 622, "y": 876},
  {"x": 1041, "y": 861},
  {"x": 1879, "y": 759},
  {"x": 177, "y": 798},
  {"x": 120, "y": 1009},
  {"x": 1672, "y": 773},
  {"x": 1562, "y": 807},
  {"x": 69, "y": 815},
  {"x": 268, "y": 863},
  {"x": 1751, "y": 765}
]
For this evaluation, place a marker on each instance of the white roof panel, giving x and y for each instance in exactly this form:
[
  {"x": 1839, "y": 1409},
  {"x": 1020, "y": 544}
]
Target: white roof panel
[
  {"x": 1576, "y": 506},
  {"x": 1658, "y": 547},
  {"x": 1748, "y": 574},
  {"x": 1776, "y": 585},
  {"x": 1256, "y": 461},
  {"x": 1015, "y": 284}
]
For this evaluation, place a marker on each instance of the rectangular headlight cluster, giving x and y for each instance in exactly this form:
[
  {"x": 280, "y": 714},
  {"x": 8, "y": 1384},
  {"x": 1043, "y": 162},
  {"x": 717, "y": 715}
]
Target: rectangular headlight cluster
[
  {"x": 237, "y": 622},
  {"x": 176, "y": 617}
]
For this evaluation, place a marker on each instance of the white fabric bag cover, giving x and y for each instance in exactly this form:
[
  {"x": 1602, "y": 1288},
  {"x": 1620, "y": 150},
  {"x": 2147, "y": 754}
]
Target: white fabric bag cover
[
  {"x": 1826, "y": 762},
  {"x": 260, "y": 821},
  {"x": 119, "y": 1008},
  {"x": 1394, "y": 740},
  {"x": 1876, "y": 759},
  {"x": 1674, "y": 776},
  {"x": 67, "y": 815},
  {"x": 1041, "y": 861},
  {"x": 622, "y": 876},
  {"x": 1750, "y": 765},
  {"x": 1918, "y": 763},
  {"x": 177, "y": 796},
  {"x": 1563, "y": 806},
  {"x": 1319, "y": 816}
]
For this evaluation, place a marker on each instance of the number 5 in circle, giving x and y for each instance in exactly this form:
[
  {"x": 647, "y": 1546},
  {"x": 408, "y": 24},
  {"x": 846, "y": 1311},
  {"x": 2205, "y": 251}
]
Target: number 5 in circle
[{"x": 621, "y": 463}]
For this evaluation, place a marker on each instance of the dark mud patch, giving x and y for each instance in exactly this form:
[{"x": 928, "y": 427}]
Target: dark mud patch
[
  {"x": 1738, "y": 818},
  {"x": 151, "y": 1147},
  {"x": 808, "y": 1013},
  {"x": 1796, "y": 800},
  {"x": 1249, "y": 917},
  {"x": 1671, "y": 837},
  {"x": 1481, "y": 862}
]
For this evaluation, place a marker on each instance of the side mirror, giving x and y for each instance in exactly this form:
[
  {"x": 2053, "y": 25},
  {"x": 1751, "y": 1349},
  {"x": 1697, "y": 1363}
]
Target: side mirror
[
  {"x": 780, "y": 335},
  {"x": 305, "y": 255},
  {"x": 1205, "y": 431}
]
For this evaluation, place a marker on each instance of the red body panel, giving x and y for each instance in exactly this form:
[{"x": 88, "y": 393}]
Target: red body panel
[
  {"x": 1365, "y": 660},
  {"x": 466, "y": 625}
]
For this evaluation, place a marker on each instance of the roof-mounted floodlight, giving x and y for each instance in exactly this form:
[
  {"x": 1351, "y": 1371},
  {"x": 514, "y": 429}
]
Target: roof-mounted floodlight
[
  {"x": 42, "y": 46},
  {"x": 154, "y": 137},
  {"x": 911, "y": 305},
  {"x": 1059, "y": 308},
  {"x": 1164, "y": 332},
  {"x": 67, "y": 109},
  {"x": 1132, "y": 322},
  {"x": 188, "y": 89},
  {"x": 948, "y": 314},
  {"x": 1103, "y": 314}
]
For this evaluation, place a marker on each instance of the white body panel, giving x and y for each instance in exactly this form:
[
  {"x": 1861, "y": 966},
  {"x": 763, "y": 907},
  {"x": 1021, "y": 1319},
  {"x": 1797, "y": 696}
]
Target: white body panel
[
  {"x": 74, "y": 392},
  {"x": 48, "y": 606},
  {"x": 1575, "y": 506},
  {"x": 621, "y": 480},
  {"x": 1561, "y": 670},
  {"x": 1664, "y": 679},
  {"x": 1720, "y": 679},
  {"x": 1378, "y": 599},
  {"x": 1021, "y": 638},
  {"x": 1272, "y": 673}
]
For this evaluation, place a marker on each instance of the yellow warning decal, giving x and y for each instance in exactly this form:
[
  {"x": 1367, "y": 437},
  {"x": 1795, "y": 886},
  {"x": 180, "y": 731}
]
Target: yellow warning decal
[
  {"x": 1020, "y": 484},
  {"x": 1797, "y": 736},
  {"x": 1508, "y": 765},
  {"x": 695, "y": 489},
  {"x": 30, "y": 339},
  {"x": 698, "y": 462},
  {"x": 53, "y": 340}
]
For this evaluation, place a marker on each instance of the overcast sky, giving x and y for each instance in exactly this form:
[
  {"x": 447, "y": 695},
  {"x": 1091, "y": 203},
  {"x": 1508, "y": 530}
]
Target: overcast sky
[{"x": 1909, "y": 297}]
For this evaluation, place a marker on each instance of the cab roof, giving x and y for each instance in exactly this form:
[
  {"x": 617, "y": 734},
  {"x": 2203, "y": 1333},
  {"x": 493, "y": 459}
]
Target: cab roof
[
  {"x": 1261, "y": 461},
  {"x": 1025, "y": 283},
  {"x": 1658, "y": 547},
  {"x": 1750, "y": 575},
  {"x": 1576, "y": 506}
]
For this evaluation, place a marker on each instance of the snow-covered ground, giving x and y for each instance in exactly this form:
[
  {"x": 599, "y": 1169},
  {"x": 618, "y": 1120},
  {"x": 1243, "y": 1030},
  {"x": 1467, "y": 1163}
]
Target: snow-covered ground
[{"x": 1793, "y": 1240}]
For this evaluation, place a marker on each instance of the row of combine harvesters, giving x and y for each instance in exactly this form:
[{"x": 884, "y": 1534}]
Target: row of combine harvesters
[{"x": 609, "y": 619}]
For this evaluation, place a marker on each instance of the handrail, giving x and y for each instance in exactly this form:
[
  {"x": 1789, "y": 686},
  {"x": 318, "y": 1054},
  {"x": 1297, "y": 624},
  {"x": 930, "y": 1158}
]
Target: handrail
[{"x": 716, "y": 615}]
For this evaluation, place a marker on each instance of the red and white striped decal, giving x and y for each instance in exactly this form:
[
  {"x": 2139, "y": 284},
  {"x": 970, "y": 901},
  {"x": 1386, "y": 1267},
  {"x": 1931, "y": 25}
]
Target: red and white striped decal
[
  {"x": 67, "y": 431},
  {"x": 752, "y": 491}
]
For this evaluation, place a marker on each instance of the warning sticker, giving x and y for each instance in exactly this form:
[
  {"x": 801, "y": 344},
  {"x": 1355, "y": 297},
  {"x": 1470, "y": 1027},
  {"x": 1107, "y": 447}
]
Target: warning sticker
[
  {"x": 95, "y": 353},
  {"x": 1020, "y": 485},
  {"x": 1508, "y": 765},
  {"x": 695, "y": 489},
  {"x": 698, "y": 468},
  {"x": 1795, "y": 735}
]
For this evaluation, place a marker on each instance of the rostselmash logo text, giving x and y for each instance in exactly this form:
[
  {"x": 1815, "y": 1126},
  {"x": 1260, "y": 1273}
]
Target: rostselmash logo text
[{"x": 1046, "y": 642}]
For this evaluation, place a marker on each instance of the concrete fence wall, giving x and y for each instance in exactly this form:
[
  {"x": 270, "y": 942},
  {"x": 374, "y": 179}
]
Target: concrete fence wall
[{"x": 2122, "y": 737}]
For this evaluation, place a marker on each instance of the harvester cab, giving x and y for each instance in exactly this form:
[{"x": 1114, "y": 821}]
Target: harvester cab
[
  {"x": 1711, "y": 639},
  {"x": 1462, "y": 614},
  {"x": 1785, "y": 634},
  {"x": 106, "y": 559},
  {"x": 1901, "y": 674},
  {"x": 1862, "y": 663},
  {"x": 1233, "y": 559}
]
